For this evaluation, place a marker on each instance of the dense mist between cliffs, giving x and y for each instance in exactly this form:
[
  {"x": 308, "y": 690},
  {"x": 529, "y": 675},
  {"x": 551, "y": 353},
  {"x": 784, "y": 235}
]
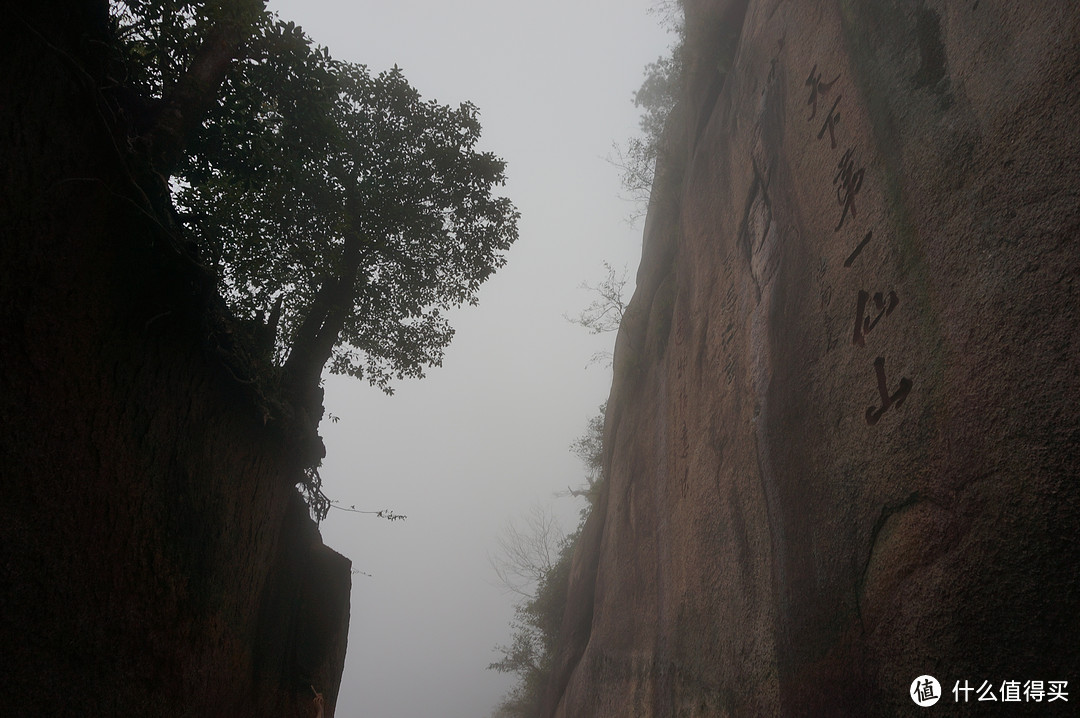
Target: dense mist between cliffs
[{"x": 486, "y": 437}]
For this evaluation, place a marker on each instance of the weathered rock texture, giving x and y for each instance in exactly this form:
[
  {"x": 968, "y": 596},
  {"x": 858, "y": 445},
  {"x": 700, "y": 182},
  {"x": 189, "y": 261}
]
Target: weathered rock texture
[
  {"x": 844, "y": 437},
  {"x": 155, "y": 558}
]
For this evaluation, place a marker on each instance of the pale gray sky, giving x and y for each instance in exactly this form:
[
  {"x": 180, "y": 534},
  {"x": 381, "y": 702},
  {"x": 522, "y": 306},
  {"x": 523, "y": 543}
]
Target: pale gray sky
[{"x": 486, "y": 435}]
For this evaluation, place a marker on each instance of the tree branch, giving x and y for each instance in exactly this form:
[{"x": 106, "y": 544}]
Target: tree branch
[
  {"x": 187, "y": 102},
  {"x": 318, "y": 334}
]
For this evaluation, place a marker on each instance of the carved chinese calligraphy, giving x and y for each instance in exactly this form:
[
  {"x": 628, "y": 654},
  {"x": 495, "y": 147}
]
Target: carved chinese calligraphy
[
  {"x": 817, "y": 87},
  {"x": 851, "y": 257},
  {"x": 887, "y": 399},
  {"x": 863, "y": 323},
  {"x": 850, "y": 182},
  {"x": 870, "y": 309},
  {"x": 830, "y": 123}
]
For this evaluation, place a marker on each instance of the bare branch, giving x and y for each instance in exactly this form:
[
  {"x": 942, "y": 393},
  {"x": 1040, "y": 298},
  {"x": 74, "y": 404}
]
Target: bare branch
[
  {"x": 387, "y": 514},
  {"x": 605, "y": 312},
  {"x": 527, "y": 550}
]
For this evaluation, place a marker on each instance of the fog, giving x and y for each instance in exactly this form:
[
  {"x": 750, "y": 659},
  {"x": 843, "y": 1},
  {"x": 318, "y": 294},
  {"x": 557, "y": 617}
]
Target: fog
[{"x": 487, "y": 435}]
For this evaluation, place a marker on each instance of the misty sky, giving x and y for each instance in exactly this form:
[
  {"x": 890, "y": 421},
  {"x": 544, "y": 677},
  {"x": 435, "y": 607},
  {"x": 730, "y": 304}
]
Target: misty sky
[{"x": 487, "y": 435}]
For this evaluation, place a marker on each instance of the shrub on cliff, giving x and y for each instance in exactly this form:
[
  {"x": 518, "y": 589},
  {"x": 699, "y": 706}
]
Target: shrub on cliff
[
  {"x": 535, "y": 564},
  {"x": 656, "y": 99},
  {"x": 536, "y": 630}
]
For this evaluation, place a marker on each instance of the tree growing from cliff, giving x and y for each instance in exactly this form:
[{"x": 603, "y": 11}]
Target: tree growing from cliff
[
  {"x": 534, "y": 562},
  {"x": 605, "y": 312},
  {"x": 339, "y": 210},
  {"x": 656, "y": 99},
  {"x": 526, "y": 551},
  {"x": 535, "y": 633},
  {"x": 589, "y": 447}
]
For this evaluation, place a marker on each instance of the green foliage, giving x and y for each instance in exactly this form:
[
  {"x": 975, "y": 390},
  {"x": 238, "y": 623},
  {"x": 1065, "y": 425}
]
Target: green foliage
[
  {"x": 589, "y": 447},
  {"x": 156, "y": 41},
  {"x": 658, "y": 93},
  {"x": 656, "y": 98},
  {"x": 366, "y": 210}
]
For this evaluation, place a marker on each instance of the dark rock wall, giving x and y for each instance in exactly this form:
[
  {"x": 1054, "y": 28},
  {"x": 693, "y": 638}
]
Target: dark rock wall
[
  {"x": 843, "y": 437},
  {"x": 155, "y": 558}
]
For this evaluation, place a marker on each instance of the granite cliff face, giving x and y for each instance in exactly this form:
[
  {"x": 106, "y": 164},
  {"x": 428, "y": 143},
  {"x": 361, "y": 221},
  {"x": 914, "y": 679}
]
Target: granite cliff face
[
  {"x": 155, "y": 557},
  {"x": 843, "y": 441}
]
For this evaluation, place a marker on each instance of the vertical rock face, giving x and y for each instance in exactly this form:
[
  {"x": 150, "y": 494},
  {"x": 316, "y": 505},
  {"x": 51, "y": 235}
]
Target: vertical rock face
[
  {"x": 155, "y": 558},
  {"x": 843, "y": 437}
]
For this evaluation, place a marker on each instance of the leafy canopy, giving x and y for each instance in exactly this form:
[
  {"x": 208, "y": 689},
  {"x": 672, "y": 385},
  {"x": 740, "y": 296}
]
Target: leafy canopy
[{"x": 366, "y": 211}]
